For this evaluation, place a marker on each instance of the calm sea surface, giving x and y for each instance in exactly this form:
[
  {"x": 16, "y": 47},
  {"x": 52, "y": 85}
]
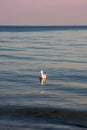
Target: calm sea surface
[{"x": 60, "y": 102}]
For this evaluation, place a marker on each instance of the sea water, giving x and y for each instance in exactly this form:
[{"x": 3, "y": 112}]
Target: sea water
[{"x": 60, "y": 102}]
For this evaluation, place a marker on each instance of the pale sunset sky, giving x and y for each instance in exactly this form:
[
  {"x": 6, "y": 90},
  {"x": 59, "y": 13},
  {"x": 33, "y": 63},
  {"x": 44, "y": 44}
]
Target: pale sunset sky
[{"x": 43, "y": 12}]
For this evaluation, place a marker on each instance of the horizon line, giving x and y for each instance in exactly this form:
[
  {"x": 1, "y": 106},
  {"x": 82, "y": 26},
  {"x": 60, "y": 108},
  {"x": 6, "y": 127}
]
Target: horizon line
[{"x": 44, "y": 25}]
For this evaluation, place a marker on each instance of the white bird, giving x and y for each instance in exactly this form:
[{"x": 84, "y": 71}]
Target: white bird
[{"x": 42, "y": 75}]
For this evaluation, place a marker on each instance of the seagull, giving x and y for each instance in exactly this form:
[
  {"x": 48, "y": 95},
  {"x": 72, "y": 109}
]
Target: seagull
[{"x": 43, "y": 75}]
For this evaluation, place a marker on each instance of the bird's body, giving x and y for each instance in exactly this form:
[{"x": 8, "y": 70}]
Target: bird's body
[{"x": 42, "y": 75}]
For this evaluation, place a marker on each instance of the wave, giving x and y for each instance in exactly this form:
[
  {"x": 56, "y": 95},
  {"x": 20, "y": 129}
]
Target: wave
[
  {"x": 16, "y": 57},
  {"x": 10, "y": 49},
  {"x": 78, "y": 117}
]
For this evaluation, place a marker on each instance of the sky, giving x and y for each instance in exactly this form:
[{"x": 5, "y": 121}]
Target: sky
[{"x": 43, "y": 12}]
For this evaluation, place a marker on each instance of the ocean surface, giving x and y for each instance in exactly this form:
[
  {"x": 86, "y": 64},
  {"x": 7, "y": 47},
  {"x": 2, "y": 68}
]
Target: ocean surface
[{"x": 60, "y": 102}]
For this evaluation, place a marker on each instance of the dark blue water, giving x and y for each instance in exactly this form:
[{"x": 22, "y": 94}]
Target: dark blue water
[
  {"x": 39, "y": 28},
  {"x": 28, "y": 103}
]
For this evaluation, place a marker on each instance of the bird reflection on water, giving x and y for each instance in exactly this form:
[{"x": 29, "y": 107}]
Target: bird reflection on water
[{"x": 42, "y": 81}]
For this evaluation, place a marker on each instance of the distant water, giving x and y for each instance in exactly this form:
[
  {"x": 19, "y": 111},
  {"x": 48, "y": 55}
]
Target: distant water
[{"x": 26, "y": 103}]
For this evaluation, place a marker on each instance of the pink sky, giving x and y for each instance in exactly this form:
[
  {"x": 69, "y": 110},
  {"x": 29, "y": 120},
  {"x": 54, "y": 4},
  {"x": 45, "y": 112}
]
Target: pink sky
[{"x": 43, "y": 12}]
